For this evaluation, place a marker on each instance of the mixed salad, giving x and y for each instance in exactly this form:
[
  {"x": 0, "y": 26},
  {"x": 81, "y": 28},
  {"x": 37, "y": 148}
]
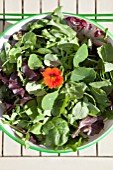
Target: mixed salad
[{"x": 57, "y": 88}]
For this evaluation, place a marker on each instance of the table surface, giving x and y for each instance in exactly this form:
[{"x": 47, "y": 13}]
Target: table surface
[{"x": 12, "y": 155}]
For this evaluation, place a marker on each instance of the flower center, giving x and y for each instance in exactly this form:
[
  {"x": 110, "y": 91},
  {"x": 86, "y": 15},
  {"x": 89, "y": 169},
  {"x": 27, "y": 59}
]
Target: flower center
[{"x": 52, "y": 76}]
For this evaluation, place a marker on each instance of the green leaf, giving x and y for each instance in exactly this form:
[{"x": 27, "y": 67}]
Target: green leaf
[
  {"x": 44, "y": 51},
  {"x": 19, "y": 68},
  {"x": 36, "y": 128},
  {"x": 29, "y": 38},
  {"x": 80, "y": 110},
  {"x": 75, "y": 90},
  {"x": 51, "y": 60},
  {"x": 7, "y": 47},
  {"x": 106, "y": 85},
  {"x": 34, "y": 62},
  {"x": 100, "y": 84},
  {"x": 108, "y": 114},
  {"x": 108, "y": 67},
  {"x": 65, "y": 29},
  {"x": 80, "y": 55},
  {"x": 106, "y": 52},
  {"x": 60, "y": 104},
  {"x": 83, "y": 74},
  {"x": 14, "y": 53},
  {"x": 69, "y": 48},
  {"x": 56, "y": 132},
  {"x": 100, "y": 98},
  {"x": 48, "y": 100},
  {"x": 33, "y": 88},
  {"x": 93, "y": 110}
]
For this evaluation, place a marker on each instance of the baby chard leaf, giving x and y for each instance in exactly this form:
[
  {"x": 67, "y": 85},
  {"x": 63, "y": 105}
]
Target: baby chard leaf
[{"x": 80, "y": 55}]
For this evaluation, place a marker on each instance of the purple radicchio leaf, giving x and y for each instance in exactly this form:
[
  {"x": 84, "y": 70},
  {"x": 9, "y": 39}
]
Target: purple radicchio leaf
[
  {"x": 15, "y": 86},
  {"x": 4, "y": 79},
  {"x": 30, "y": 74},
  {"x": 25, "y": 99},
  {"x": 85, "y": 28},
  {"x": 90, "y": 126},
  {"x": 9, "y": 107}
]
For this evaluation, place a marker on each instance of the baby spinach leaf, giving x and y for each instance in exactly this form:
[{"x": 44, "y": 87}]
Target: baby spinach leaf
[
  {"x": 48, "y": 100},
  {"x": 80, "y": 110},
  {"x": 83, "y": 74},
  {"x": 34, "y": 62},
  {"x": 56, "y": 131},
  {"x": 80, "y": 55}
]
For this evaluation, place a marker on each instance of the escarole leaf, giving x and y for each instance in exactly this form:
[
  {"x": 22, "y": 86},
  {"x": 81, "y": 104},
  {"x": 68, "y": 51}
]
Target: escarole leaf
[
  {"x": 56, "y": 131},
  {"x": 48, "y": 100},
  {"x": 80, "y": 55},
  {"x": 83, "y": 74}
]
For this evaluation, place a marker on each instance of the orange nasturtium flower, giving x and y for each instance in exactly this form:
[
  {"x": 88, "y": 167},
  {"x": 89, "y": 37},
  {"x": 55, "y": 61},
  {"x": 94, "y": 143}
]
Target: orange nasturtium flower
[{"x": 52, "y": 77}]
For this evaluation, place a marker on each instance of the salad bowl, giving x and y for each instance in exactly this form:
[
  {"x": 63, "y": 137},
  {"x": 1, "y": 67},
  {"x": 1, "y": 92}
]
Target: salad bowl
[{"x": 88, "y": 32}]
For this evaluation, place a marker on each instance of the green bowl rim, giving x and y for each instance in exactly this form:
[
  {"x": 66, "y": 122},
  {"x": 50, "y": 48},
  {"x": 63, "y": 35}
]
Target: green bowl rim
[{"x": 48, "y": 150}]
